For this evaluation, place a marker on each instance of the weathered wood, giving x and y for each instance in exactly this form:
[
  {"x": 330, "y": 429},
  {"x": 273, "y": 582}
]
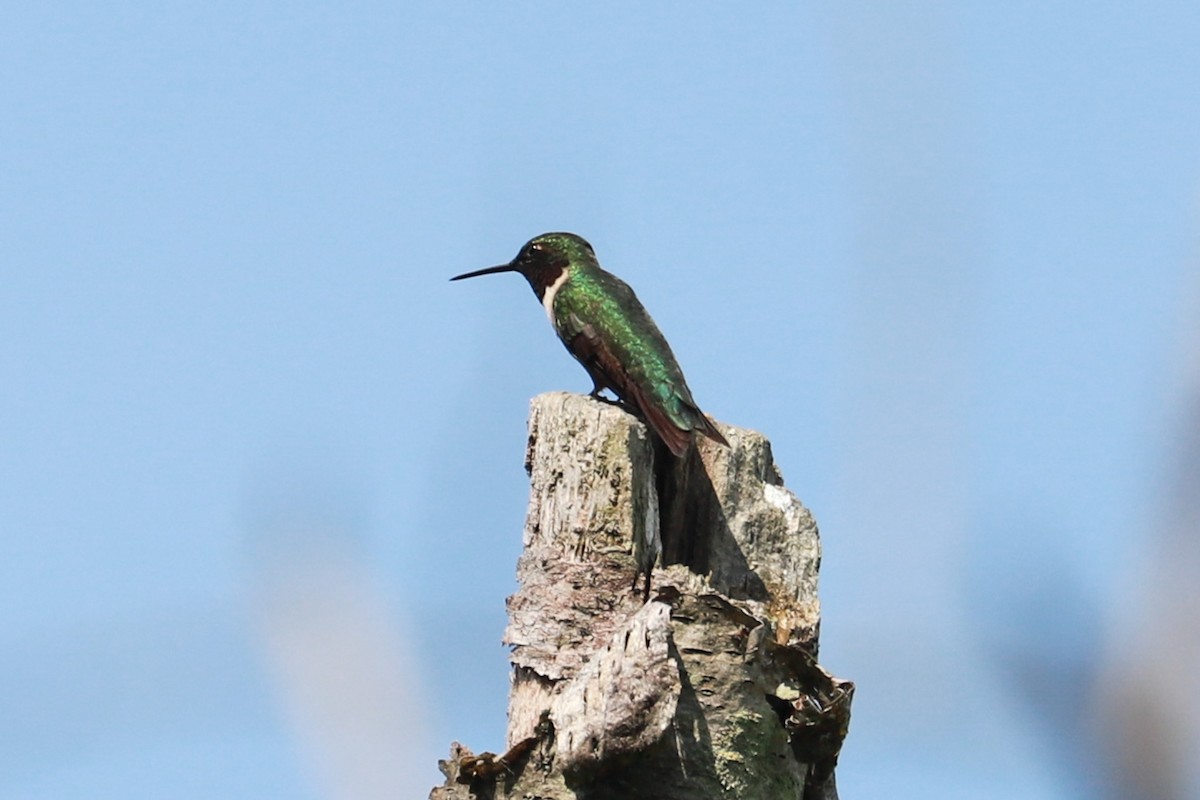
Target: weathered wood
[{"x": 707, "y": 689}]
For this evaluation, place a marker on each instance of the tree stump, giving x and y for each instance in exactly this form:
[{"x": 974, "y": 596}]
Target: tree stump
[{"x": 701, "y": 684}]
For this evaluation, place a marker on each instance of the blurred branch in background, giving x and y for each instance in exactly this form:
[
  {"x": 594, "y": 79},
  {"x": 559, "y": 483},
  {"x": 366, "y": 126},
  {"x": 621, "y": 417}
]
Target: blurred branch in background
[
  {"x": 932, "y": 709},
  {"x": 1148, "y": 700},
  {"x": 343, "y": 665}
]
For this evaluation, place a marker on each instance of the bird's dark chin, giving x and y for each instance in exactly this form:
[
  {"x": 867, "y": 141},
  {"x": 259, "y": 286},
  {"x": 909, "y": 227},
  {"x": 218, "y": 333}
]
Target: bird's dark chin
[{"x": 489, "y": 271}]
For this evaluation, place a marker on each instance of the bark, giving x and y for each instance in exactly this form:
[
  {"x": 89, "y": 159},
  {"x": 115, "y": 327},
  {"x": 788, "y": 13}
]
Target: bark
[{"x": 702, "y": 684}]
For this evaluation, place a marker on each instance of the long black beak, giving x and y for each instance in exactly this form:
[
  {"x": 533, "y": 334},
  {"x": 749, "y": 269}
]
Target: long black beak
[{"x": 499, "y": 268}]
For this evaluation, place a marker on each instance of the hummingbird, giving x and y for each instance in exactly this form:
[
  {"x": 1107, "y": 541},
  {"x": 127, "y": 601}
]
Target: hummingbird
[{"x": 605, "y": 327}]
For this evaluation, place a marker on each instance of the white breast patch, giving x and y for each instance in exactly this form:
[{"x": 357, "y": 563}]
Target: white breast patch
[{"x": 550, "y": 293}]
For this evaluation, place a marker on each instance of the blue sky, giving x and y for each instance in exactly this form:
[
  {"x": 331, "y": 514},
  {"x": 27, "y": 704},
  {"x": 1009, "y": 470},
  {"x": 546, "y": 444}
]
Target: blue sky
[{"x": 942, "y": 256}]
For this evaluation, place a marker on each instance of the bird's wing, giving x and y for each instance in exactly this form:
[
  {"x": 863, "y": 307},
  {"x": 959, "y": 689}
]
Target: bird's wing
[{"x": 600, "y": 361}]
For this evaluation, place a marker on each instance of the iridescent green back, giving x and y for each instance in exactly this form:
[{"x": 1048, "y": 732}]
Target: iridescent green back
[{"x": 594, "y": 297}]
